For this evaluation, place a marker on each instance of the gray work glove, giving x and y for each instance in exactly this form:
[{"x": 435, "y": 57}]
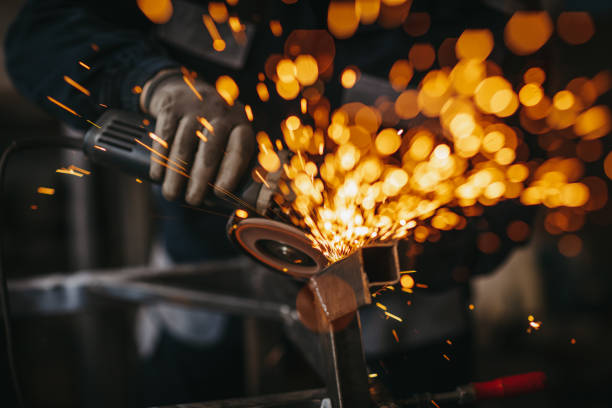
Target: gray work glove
[{"x": 217, "y": 163}]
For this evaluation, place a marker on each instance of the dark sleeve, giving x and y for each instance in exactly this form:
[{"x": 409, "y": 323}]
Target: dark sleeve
[
  {"x": 458, "y": 255},
  {"x": 50, "y": 37}
]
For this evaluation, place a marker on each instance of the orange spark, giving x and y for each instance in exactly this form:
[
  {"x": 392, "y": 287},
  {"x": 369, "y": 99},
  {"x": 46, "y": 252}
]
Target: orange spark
[
  {"x": 261, "y": 178},
  {"x": 206, "y": 124},
  {"x": 182, "y": 173},
  {"x": 240, "y": 213},
  {"x": 446, "y": 357},
  {"x": 381, "y": 306},
  {"x": 201, "y": 136},
  {"x": 46, "y": 190},
  {"x": 76, "y": 85},
  {"x": 159, "y": 154},
  {"x": 218, "y": 43},
  {"x": 100, "y": 148},
  {"x": 80, "y": 170},
  {"x": 391, "y": 315},
  {"x": 190, "y": 85},
  {"x": 84, "y": 65},
  {"x": 249, "y": 112},
  {"x": 434, "y": 404},
  {"x": 69, "y": 172},
  {"x": 395, "y": 335},
  {"x": 139, "y": 181},
  {"x": 158, "y": 140},
  {"x": 95, "y": 124},
  {"x": 61, "y": 105}
]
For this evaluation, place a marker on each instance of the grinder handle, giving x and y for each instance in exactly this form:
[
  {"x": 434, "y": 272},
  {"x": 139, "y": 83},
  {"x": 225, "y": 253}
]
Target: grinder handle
[{"x": 121, "y": 140}]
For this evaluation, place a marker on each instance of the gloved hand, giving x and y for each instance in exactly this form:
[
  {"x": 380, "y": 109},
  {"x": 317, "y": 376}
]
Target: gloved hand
[{"x": 221, "y": 160}]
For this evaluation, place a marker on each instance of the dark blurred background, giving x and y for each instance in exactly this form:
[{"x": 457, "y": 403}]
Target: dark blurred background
[{"x": 106, "y": 220}]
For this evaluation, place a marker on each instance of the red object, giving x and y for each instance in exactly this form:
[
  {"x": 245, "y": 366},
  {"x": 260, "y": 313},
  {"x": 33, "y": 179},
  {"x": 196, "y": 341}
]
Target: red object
[{"x": 511, "y": 385}]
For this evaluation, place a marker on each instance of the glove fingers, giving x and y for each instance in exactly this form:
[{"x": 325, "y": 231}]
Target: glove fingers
[
  {"x": 181, "y": 155},
  {"x": 240, "y": 148},
  {"x": 165, "y": 127},
  {"x": 206, "y": 161}
]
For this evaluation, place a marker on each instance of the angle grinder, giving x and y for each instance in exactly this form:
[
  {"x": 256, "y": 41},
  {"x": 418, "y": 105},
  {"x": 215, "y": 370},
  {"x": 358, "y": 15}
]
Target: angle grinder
[{"x": 121, "y": 140}]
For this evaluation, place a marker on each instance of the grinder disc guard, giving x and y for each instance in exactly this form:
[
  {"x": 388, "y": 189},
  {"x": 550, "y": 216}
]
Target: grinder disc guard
[{"x": 277, "y": 245}]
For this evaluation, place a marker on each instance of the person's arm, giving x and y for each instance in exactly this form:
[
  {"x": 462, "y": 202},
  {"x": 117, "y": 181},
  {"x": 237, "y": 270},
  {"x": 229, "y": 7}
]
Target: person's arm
[{"x": 50, "y": 37}]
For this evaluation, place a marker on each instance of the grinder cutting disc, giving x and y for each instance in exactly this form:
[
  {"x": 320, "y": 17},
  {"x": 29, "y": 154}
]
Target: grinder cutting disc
[{"x": 279, "y": 246}]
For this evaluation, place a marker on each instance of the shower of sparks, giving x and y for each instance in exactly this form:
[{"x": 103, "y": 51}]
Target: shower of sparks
[{"x": 359, "y": 176}]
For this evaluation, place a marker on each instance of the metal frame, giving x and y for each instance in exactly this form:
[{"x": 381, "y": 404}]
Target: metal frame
[{"x": 332, "y": 344}]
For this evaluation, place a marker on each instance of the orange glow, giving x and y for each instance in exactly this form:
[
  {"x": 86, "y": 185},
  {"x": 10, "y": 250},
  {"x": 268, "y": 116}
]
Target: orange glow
[
  {"x": 400, "y": 74},
  {"x": 348, "y": 78},
  {"x": 422, "y": 56},
  {"x": 218, "y": 43},
  {"x": 249, "y": 112},
  {"x": 608, "y": 165},
  {"x": 288, "y": 90},
  {"x": 575, "y": 27},
  {"x": 570, "y": 245},
  {"x": 417, "y": 23},
  {"x": 593, "y": 123},
  {"x": 527, "y": 31},
  {"x": 46, "y": 190},
  {"x": 387, "y": 142},
  {"x": 227, "y": 88},
  {"x": 276, "y": 28},
  {"x": 286, "y": 70},
  {"x": 240, "y": 213},
  {"x": 406, "y": 105},
  {"x": 307, "y": 70},
  {"x": 262, "y": 92},
  {"x": 518, "y": 231},
  {"x": 342, "y": 18},
  {"x": 535, "y": 75},
  {"x": 531, "y": 94},
  {"x": 474, "y": 44},
  {"x": 563, "y": 100},
  {"x": 158, "y": 11},
  {"x": 218, "y": 11},
  {"x": 407, "y": 281}
]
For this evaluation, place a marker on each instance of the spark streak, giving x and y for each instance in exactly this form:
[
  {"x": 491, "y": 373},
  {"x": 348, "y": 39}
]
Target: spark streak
[
  {"x": 190, "y": 85},
  {"x": 76, "y": 85},
  {"x": 61, "y": 105}
]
